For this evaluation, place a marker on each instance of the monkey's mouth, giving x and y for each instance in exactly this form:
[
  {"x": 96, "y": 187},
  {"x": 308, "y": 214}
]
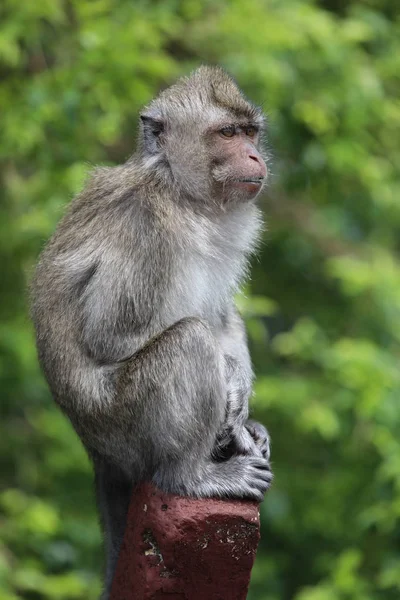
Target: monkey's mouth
[
  {"x": 257, "y": 180},
  {"x": 250, "y": 184}
]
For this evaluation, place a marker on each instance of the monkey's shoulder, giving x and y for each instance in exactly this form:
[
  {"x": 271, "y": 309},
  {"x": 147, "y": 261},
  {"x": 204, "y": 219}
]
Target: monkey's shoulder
[{"x": 103, "y": 218}]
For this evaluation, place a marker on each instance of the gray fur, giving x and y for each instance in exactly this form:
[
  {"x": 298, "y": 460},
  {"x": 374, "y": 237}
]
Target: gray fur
[{"x": 133, "y": 307}]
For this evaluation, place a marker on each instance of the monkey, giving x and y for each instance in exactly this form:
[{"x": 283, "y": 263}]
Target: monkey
[{"x": 133, "y": 305}]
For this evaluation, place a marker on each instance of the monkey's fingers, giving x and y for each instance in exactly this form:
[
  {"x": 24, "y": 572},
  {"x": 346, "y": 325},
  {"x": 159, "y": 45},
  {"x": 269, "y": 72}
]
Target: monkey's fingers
[{"x": 260, "y": 436}]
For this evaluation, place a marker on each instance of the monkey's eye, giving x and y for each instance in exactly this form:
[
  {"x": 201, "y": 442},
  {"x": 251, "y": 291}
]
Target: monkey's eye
[
  {"x": 228, "y": 131},
  {"x": 250, "y": 130}
]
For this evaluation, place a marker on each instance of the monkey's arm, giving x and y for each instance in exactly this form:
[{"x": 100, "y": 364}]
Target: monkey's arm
[
  {"x": 247, "y": 435},
  {"x": 112, "y": 326},
  {"x": 239, "y": 372},
  {"x": 233, "y": 339}
]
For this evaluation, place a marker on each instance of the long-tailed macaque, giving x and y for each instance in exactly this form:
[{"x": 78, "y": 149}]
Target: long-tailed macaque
[{"x": 137, "y": 332}]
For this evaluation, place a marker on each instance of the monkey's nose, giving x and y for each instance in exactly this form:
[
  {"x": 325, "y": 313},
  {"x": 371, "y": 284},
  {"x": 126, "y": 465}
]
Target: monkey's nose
[{"x": 261, "y": 169}]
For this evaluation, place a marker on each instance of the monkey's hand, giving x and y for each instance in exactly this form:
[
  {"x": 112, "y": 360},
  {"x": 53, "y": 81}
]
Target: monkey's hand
[
  {"x": 251, "y": 439},
  {"x": 238, "y": 434},
  {"x": 259, "y": 436}
]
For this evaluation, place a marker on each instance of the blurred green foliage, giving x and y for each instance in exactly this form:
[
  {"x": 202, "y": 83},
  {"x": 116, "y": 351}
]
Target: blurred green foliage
[{"x": 323, "y": 307}]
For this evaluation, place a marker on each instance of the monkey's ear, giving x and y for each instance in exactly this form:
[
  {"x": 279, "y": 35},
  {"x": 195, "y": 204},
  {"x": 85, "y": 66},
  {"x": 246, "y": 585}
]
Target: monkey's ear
[{"x": 152, "y": 127}]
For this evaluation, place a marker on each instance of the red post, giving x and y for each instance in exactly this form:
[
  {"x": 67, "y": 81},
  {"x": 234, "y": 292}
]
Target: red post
[{"x": 179, "y": 548}]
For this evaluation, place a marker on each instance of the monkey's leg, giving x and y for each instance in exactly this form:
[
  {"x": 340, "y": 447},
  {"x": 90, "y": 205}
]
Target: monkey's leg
[{"x": 178, "y": 386}]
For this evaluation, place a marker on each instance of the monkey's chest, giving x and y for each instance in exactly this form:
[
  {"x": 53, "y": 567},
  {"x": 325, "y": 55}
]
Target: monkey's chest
[{"x": 199, "y": 288}]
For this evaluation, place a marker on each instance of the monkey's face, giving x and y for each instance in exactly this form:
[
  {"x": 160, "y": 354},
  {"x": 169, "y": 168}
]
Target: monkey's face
[
  {"x": 207, "y": 136},
  {"x": 238, "y": 168}
]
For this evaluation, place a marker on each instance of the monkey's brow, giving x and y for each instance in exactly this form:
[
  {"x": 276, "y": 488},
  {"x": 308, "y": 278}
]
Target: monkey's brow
[
  {"x": 249, "y": 124},
  {"x": 238, "y": 124}
]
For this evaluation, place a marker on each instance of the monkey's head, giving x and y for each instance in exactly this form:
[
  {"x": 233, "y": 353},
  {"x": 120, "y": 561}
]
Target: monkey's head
[{"x": 206, "y": 137}]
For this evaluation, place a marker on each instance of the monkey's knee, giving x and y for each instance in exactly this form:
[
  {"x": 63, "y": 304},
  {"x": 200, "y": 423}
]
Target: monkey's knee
[
  {"x": 196, "y": 354},
  {"x": 197, "y": 334},
  {"x": 191, "y": 343},
  {"x": 191, "y": 328},
  {"x": 192, "y": 382}
]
